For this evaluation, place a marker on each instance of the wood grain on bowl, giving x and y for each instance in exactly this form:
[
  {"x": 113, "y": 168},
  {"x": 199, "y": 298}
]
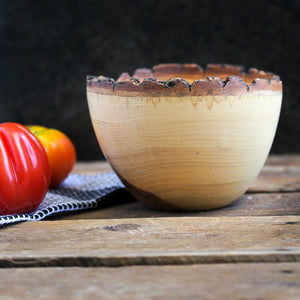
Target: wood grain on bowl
[{"x": 193, "y": 145}]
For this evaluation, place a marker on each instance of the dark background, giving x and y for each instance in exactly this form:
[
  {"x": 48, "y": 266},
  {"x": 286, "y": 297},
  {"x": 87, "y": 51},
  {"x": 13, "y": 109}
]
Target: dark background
[{"x": 48, "y": 47}]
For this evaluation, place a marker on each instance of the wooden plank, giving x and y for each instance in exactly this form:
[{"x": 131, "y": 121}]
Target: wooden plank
[
  {"x": 277, "y": 179},
  {"x": 91, "y": 167},
  {"x": 174, "y": 240},
  {"x": 222, "y": 281},
  {"x": 283, "y": 160},
  {"x": 269, "y": 204}
]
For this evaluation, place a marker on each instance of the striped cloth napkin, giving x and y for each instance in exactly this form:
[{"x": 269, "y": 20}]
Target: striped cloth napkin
[{"x": 77, "y": 192}]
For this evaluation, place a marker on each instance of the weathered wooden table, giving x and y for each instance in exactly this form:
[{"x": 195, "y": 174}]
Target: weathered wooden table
[{"x": 249, "y": 250}]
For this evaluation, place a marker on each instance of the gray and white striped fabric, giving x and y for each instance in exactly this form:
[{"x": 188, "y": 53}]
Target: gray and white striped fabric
[{"x": 77, "y": 192}]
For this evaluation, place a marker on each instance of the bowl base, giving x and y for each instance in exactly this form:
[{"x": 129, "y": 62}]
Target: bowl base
[{"x": 156, "y": 203}]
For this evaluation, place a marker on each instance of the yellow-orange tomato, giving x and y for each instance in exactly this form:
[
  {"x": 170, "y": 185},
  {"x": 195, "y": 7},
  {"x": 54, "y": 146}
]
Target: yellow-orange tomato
[{"x": 60, "y": 151}]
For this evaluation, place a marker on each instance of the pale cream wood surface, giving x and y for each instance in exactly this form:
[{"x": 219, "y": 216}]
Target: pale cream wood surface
[
  {"x": 186, "y": 152},
  {"x": 213, "y": 281},
  {"x": 280, "y": 173},
  {"x": 89, "y": 167},
  {"x": 274, "y": 192}
]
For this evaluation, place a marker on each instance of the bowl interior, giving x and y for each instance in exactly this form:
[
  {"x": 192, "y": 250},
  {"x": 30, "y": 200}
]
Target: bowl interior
[{"x": 192, "y": 72}]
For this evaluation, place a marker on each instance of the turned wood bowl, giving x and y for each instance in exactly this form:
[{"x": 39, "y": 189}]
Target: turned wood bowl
[{"x": 185, "y": 138}]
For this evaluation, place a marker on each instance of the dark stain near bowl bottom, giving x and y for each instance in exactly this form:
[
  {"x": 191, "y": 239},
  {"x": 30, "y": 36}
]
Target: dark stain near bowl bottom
[
  {"x": 150, "y": 199},
  {"x": 147, "y": 198}
]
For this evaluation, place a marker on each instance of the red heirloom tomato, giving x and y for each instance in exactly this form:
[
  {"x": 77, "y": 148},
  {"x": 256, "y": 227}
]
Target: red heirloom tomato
[
  {"x": 60, "y": 151},
  {"x": 24, "y": 170}
]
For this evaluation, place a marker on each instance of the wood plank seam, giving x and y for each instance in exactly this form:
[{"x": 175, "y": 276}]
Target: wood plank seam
[{"x": 213, "y": 257}]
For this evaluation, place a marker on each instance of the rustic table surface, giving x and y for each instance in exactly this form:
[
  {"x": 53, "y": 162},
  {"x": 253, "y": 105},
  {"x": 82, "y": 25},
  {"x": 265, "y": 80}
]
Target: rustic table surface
[{"x": 249, "y": 250}]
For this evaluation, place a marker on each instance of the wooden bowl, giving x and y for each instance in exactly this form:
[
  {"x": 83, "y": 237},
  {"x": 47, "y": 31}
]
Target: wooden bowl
[{"x": 183, "y": 138}]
